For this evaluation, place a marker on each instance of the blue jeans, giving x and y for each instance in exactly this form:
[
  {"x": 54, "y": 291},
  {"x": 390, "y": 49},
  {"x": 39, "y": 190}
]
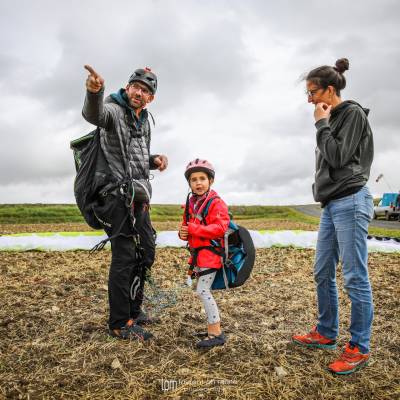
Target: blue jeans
[{"x": 343, "y": 235}]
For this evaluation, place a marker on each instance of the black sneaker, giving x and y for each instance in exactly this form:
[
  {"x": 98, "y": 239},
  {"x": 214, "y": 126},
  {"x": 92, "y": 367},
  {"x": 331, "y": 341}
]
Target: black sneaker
[
  {"x": 211, "y": 341},
  {"x": 130, "y": 331},
  {"x": 144, "y": 319}
]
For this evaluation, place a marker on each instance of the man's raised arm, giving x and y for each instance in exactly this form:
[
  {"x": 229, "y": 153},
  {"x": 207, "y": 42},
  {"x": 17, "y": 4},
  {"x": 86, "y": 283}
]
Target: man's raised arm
[{"x": 93, "y": 108}]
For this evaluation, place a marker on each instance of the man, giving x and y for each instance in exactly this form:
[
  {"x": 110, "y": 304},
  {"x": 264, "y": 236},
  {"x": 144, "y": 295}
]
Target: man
[{"x": 124, "y": 200}]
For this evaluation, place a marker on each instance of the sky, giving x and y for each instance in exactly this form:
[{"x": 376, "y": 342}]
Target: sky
[{"x": 230, "y": 89}]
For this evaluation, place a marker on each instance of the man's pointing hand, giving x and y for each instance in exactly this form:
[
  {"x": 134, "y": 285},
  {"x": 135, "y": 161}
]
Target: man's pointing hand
[{"x": 94, "y": 81}]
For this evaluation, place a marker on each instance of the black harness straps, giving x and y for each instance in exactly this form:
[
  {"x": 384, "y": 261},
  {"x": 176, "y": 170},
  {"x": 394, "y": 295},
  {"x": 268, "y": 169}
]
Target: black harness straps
[{"x": 214, "y": 247}]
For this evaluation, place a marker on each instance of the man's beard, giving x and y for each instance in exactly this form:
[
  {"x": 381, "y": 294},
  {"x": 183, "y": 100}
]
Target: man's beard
[{"x": 140, "y": 103}]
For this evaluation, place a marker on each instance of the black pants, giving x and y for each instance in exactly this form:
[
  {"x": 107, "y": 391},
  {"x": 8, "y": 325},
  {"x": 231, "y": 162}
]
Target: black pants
[{"x": 127, "y": 271}]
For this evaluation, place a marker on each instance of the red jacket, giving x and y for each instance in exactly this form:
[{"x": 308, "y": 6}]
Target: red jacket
[{"x": 200, "y": 234}]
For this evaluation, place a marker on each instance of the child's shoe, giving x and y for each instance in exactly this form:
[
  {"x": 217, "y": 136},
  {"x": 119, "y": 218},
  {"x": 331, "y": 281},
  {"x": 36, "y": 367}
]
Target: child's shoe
[
  {"x": 350, "y": 361},
  {"x": 314, "y": 339},
  {"x": 211, "y": 341}
]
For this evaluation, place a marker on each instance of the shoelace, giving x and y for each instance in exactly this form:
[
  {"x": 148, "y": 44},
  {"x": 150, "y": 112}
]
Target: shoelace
[{"x": 347, "y": 356}]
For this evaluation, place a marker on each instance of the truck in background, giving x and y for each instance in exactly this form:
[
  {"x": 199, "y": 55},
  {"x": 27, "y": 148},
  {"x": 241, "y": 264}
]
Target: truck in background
[{"x": 388, "y": 207}]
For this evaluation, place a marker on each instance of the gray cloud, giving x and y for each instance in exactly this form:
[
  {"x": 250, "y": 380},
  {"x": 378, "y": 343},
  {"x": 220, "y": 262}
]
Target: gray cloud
[
  {"x": 26, "y": 156},
  {"x": 228, "y": 86},
  {"x": 278, "y": 163},
  {"x": 207, "y": 55}
]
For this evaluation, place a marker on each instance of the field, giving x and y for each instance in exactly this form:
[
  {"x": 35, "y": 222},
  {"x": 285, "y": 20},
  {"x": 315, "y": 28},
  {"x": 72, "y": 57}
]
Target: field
[
  {"x": 66, "y": 217},
  {"x": 54, "y": 342},
  {"x": 69, "y": 213}
]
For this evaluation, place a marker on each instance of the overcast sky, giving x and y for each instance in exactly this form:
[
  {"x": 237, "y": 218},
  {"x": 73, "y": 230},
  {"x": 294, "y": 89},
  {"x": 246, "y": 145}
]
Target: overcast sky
[{"x": 229, "y": 88}]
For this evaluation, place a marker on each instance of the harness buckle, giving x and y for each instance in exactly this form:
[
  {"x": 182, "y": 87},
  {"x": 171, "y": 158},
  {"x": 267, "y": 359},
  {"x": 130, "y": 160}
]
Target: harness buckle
[{"x": 123, "y": 189}]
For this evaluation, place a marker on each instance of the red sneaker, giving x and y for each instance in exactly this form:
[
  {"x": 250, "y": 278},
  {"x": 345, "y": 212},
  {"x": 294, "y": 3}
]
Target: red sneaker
[
  {"x": 350, "y": 361},
  {"x": 314, "y": 339}
]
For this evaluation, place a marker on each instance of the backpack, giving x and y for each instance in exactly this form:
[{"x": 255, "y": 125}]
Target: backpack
[
  {"x": 238, "y": 253},
  {"x": 93, "y": 179},
  {"x": 95, "y": 187}
]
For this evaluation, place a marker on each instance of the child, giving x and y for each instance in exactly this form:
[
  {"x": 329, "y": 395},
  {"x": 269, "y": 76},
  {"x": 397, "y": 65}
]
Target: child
[{"x": 200, "y": 234}]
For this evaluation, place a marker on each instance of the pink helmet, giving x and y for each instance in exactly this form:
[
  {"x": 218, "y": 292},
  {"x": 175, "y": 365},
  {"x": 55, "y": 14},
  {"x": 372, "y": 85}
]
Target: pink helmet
[{"x": 199, "y": 165}]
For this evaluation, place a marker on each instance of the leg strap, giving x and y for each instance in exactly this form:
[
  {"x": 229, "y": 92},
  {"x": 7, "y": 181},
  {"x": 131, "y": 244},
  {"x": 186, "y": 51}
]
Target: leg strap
[{"x": 206, "y": 272}]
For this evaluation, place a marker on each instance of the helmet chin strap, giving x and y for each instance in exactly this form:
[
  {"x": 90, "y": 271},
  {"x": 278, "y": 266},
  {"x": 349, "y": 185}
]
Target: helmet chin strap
[
  {"x": 190, "y": 192},
  {"x": 204, "y": 202}
]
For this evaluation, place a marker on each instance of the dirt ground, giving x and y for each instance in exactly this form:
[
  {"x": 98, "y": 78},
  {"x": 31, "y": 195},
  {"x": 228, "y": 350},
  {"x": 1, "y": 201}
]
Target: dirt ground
[{"x": 54, "y": 342}]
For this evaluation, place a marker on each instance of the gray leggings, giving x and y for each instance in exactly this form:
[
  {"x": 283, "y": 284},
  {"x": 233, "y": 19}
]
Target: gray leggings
[{"x": 203, "y": 290}]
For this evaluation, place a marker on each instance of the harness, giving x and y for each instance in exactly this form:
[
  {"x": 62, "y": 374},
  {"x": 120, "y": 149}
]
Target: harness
[
  {"x": 215, "y": 247},
  {"x": 125, "y": 189}
]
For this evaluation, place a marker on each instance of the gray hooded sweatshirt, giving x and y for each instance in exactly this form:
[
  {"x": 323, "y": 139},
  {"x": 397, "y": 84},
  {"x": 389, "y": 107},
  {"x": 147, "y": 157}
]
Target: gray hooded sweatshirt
[{"x": 344, "y": 152}]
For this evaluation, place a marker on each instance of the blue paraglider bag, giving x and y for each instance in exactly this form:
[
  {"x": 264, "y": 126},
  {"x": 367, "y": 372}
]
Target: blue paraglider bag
[{"x": 239, "y": 258}]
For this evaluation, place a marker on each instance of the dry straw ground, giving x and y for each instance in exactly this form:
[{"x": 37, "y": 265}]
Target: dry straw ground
[{"x": 54, "y": 342}]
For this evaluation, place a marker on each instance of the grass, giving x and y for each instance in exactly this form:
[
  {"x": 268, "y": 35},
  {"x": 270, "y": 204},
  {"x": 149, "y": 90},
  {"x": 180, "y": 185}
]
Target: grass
[
  {"x": 384, "y": 232},
  {"x": 39, "y": 213},
  {"x": 69, "y": 213},
  {"x": 59, "y": 213}
]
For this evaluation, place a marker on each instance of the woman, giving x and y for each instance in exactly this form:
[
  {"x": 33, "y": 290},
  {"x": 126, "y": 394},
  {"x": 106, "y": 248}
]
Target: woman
[{"x": 344, "y": 154}]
